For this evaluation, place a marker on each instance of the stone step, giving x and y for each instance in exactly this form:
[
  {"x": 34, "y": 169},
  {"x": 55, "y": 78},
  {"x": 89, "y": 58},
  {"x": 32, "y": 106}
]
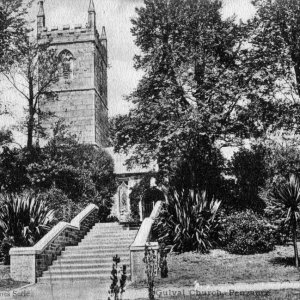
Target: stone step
[
  {"x": 111, "y": 224},
  {"x": 102, "y": 245},
  {"x": 95, "y": 271},
  {"x": 110, "y": 236},
  {"x": 93, "y": 242},
  {"x": 95, "y": 255},
  {"x": 110, "y": 228},
  {"x": 84, "y": 264},
  {"x": 80, "y": 260},
  {"x": 92, "y": 258},
  {"x": 87, "y": 277},
  {"x": 120, "y": 230},
  {"x": 84, "y": 268},
  {"x": 100, "y": 250},
  {"x": 111, "y": 239},
  {"x": 112, "y": 233}
]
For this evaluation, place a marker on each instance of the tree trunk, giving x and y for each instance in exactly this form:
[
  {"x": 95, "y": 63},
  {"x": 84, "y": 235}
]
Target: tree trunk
[
  {"x": 295, "y": 243},
  {"x": 297, "y": 72},
  {"x": 30, "y": 125}
]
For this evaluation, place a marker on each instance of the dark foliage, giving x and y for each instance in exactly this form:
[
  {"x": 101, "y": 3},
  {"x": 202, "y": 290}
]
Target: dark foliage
[
  {"x": 250, "y": 170},
  {"x": 117, "y": 287},
  {"x": 187, "y": 221},
  {"x": 65, "y": 172},
  {"x": 284, "y": 201},
  {"x": 142, "y": 191},
  {"x": 6, "y": 136},
  {"x": 245, "y": 232},
  {"x": 24, "y": 219}
]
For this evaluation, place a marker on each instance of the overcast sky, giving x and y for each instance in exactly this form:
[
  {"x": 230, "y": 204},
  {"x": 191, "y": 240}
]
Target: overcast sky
[{"x": 115, "y": 15}]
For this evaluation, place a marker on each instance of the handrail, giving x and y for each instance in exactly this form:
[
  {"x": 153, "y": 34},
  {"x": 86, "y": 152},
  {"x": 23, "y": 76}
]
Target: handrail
[
  {"x": 143, "y": 234},
  {"x": 40, "y": 246},
  {"x": 82, "y": 215}
]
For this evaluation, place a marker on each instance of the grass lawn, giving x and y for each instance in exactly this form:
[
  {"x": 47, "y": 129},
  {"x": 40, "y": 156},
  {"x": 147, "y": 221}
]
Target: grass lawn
[
  {"x": 220, "y": 267},
  {"x": 6, "y": 283}
]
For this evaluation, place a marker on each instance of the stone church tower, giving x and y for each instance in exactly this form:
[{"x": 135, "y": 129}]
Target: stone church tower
[{"x": 82, "y": 88}]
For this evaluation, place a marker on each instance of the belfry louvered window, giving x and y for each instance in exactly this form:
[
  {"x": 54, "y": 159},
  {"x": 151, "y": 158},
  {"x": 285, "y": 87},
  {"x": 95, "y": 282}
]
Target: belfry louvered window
[{"x": 67, "y": 64}]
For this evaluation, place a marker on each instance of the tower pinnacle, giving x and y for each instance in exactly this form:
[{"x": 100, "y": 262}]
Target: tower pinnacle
[
  {"x": 41, "y": 12},
  {"x": 92, "y": 6},
  {"x": 103, "y": 33},
  {"x": 92, "y": 15},
  {"x": 41, "y": 19}
]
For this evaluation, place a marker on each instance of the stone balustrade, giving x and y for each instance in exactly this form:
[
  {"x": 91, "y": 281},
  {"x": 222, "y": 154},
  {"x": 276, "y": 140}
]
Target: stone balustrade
[
  {"x": 137, "y": 248},
  {"x": 28, "y": 263}
]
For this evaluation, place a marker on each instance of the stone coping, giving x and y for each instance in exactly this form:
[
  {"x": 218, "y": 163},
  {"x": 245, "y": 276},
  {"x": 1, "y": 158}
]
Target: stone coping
[
  {"x": 40, "y": 246},
  {"x": 83, "y": 214},
  {"x": 144, "y": 232}
]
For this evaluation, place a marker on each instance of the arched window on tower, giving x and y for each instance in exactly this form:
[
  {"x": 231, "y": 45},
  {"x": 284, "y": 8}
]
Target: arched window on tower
[{"x": 67, "y": 60}]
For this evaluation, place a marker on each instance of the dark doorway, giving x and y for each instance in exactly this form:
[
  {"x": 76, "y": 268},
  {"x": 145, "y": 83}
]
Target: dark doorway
[{"x": 151, "y": 196}]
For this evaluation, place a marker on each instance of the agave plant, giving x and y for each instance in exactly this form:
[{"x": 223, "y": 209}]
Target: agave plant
[
  {"x": 24, "y": 218},
  {"x": 285, "y": 198},
  {"x": 187, "y": 220}
]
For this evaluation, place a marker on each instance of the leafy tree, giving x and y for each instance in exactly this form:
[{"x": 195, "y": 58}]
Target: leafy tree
[
  {"x": 201, "y": 168},
  {"x": 13, "y": 169},
  {"x": 5, "y": 136},
  {"x": 34, "y": 70},
  {"x": 275, "y": 55},
  {"x": 282, "y": 159},
  {"x": 285, "y": 198},
  {"x": 199, "y": 86},
  {"x": 250, "y": 170},
  {"x": 13, "y": 28}
]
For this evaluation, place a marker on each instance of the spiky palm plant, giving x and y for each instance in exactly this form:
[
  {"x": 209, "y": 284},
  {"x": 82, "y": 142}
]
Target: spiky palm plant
[
  {"x": 285, "y": 198},
  {"x": 187, "y": 220},
  {"x": 24, "y": 218}
]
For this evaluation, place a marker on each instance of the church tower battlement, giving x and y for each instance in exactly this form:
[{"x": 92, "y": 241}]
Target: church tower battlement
[{"x": 82, "y": 88}]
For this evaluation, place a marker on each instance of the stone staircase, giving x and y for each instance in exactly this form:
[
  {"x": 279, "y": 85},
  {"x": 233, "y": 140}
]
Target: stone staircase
[{"x": 92, "y": 258}]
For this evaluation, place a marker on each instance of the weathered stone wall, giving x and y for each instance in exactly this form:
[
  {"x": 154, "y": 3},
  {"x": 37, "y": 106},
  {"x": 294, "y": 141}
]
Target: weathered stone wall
[
  {"x": 22, "y": 267},
  {"x": 78, "y": 111},
  {"x": 81, "y": 99},
  {"x": 137, "y": 266},
  {"x": 101, "y": 121}
]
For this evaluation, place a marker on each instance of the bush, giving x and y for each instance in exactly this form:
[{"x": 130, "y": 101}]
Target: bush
[
  {"x": 24, "y": 219},
  {"x": 249, "y": 169},
  {"x": 187, "y": 221},
  {"x": 64, "y": 208},
  {"x": 246, "y": 233},
  {"x": 77, "y": 172}
]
